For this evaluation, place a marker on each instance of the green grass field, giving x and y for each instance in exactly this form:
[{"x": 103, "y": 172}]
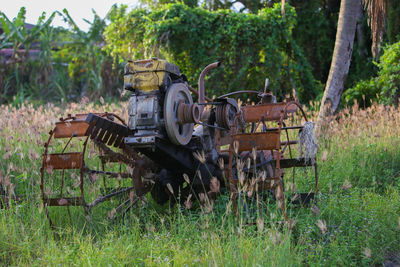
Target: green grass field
[{"x": 355, "y": 222}]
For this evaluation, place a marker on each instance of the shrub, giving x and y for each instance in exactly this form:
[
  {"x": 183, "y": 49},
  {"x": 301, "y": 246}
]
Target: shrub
[
  {"x": 389, "y": 74},
  {"x": 250, "y": 46},
  {"x": 385, "y": 87}
]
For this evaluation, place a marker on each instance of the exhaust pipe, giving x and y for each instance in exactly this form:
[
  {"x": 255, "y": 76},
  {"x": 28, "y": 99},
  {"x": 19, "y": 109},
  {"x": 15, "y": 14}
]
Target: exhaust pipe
[{"x": 201, "y": 84}]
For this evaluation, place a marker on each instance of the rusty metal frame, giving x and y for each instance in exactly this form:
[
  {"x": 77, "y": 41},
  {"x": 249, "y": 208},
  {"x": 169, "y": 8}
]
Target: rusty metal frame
[
  {"x": 266, "y": 140},
  {"x": 76, "y": 126}
]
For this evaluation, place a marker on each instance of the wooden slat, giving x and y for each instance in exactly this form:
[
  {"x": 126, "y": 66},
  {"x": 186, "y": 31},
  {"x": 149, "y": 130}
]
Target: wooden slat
[
  {"x": 64, "y": 161},
  {"x": 71, "y": 128},
  {"x": 268, "y": 112},
  {"x": 260, "y": 141}
]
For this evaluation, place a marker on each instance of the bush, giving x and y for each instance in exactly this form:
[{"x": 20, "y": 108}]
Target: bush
[
  {"x": 389, "y": 74},
  {"x": 386, "y": 86},
  {"x": 364, "y": 92},
  {"x": 251, "y": 47}
]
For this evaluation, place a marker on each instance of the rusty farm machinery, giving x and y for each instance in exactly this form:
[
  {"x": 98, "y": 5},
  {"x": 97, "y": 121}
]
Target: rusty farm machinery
[{"x": 173, "y": 148}]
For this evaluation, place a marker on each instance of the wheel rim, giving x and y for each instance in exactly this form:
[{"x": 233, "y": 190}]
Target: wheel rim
[{"x": 178, "y": 134}]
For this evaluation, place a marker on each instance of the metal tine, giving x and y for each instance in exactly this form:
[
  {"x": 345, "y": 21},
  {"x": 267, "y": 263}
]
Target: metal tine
[
  {"x": 96, "y": 129},
  {"x": 101, "y": 199},
  {"x": 98, "y": 126},
  {"x": 100, "y": 136},
  {"x": 106, "y": 137},
  {"x": 92, "y": 122},
  {"x": 105, "y": 127},
  {"x": 118, "y": 141},
  {"x": 112, "y": 139}
]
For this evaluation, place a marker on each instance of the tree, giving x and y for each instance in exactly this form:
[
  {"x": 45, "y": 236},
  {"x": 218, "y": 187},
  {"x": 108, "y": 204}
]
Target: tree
[
  {"x": 250, "y": 46},
  {"x": 340, "y": 60},
  {"x": 376, "y": 20}
]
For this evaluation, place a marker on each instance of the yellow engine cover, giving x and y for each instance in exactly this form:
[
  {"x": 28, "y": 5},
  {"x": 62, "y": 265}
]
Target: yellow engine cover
[{"x": 148, "y": 75}]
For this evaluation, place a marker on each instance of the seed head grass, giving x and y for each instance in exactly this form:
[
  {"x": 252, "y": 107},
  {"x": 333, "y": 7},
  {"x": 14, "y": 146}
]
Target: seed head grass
[{"x": 354, "y": 222}]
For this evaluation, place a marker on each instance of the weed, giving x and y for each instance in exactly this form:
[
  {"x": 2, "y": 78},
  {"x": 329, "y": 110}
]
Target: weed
[{"x": 355, "y": 221}]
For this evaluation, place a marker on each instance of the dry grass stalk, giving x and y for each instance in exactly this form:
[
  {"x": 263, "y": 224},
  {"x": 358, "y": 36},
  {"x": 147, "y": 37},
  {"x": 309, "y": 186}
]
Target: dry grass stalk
[
  {"x": 254, "y": 153},
  {"x": 324, "y": 156},
  {"x": 236, "y": 147},
  {"x": 346, "y": 185},
  {"x": 214, "y": 185},
  {"x": 111, "y": 214},
  {"x": 322, "y": 226},
  {"x": 170, "y": 189},
  {"x": 62, "y": 202},
  {"x": 186, "y": 178},
  {"x": 367, "y": 252},
  {"x": 221, "y": 163},
  {"x": 188, "y": 202},
  {"x": 200, "y": 156},
  {"x": 275, "y": 237},
  {"x": 278, "y": 192},
  {"x": 315, "y": 210},
  {"x": 260, "y": 224},
  {"x": 291, "y": 224}
]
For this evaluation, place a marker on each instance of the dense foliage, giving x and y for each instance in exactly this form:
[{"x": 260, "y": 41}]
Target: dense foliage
[
  {"x": 50, "y": 63},
  {"x": 250, "y": 37},
  {"x": 251, "y": 47},
  {"x": 386, "y": 86}
]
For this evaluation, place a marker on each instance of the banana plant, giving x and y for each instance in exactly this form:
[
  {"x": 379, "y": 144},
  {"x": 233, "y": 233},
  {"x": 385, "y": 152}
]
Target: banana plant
[
  {"x": 15, "y": 33},
  {"x": 86, "y": 54},
  {"x": 22, "y": 74}
]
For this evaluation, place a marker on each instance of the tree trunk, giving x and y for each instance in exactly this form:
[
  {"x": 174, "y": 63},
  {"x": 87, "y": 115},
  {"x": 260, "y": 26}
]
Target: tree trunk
[
  {"x": 340, "y": 61},
  {"x": 362, "y": 50}
]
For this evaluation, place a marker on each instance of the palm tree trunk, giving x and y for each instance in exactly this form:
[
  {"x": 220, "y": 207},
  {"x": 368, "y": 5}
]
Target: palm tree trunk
[{"x": 340, "y": 61}]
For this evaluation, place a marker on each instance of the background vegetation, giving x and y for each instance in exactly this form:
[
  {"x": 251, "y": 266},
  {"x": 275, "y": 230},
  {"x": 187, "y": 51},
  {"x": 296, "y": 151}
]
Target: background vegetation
[
  {"x": 356, "y": 218},
  {"x": 252, "y": 40},
  {"x": 249, "y": 46}
]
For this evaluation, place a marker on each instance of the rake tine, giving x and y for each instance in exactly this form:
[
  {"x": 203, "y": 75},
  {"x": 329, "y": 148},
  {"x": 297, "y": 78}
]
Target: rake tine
[
  {"x": 104, "y": 198},
  {"x": 133, "y": 202}
]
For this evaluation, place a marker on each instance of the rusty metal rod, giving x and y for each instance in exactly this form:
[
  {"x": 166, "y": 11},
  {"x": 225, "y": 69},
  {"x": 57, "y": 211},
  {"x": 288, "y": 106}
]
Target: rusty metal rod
[
  {"x": 111, "y": 174},
  {"x": 239, "y": 92},
  {"x": 284, "y": 128},
  {"x": 201, "y": 82},
  {"x": 291, "y": 142},
  {"x": 194, "y": 91},
  {"x": 101, "y": 199}
]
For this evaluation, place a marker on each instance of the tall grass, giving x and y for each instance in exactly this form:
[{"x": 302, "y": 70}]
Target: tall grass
[{"x": 355, "y": 221}]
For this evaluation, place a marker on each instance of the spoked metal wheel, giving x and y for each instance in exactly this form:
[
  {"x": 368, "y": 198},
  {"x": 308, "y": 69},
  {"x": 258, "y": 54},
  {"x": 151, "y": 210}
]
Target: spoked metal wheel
[{"x": 80, "y": 170}]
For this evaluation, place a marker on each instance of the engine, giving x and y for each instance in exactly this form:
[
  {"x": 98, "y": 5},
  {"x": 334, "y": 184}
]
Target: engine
[{"x": 161, "y": 105}]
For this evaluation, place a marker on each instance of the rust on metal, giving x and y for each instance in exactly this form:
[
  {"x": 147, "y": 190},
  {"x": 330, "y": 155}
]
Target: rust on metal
[
  {"x": 71, "y": 128},
  {"x": 188, "y": 113},
  {"x": 201, "y": 93},
  {"x": 108, "y": 131},
  {"x": 266, "y": 112},
  {"x": 269, "y": 139},
  {"x": 254, "y": 135},
  {"x": 259, "y": 141},
  {"x": 60, "y": 161}
]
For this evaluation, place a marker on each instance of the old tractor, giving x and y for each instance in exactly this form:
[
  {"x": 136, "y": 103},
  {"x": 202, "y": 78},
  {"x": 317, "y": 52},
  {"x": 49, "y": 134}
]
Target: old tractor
[{"x": 173, "y": 148}]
